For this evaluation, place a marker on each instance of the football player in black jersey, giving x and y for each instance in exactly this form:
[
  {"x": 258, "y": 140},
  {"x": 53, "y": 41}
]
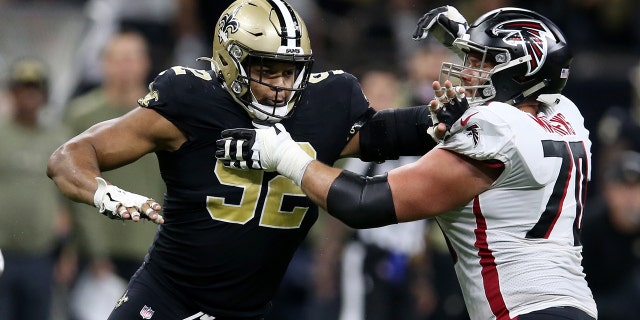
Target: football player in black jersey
[{"x": 226, "y": 236}]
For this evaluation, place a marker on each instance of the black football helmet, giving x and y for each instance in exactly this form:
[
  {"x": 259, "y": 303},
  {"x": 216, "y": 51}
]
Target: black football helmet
[
  {"x": 252, "y": 32},
  {"x": 528, "y": 52}
]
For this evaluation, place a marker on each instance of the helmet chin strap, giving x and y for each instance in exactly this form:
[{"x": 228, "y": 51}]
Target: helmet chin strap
[
  {"x": 263, "y": 113},
  {"x": 526, "y": 93}
]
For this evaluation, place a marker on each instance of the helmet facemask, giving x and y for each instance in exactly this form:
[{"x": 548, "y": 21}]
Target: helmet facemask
[
  {"x": 478, "y": 78},
  {"x": 286, "y": 97},
  {"x": 527, "y": 55}
]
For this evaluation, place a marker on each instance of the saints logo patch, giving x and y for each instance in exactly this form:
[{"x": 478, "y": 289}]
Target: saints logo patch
[
  {"x": 122, "y": 300},
  {"x": 153, "y": 95}
]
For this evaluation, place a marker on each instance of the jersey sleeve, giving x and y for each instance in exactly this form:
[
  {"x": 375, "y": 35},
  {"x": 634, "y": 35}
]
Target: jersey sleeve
[
  {"x": 185, "y": 97},
  {"x": 343, "y": 87},
  {"x": 359, "y": 101},
  {"x": 481, "y": 134},
  {"x": 486, "y": 133},
  {"x": 526, "y": 145},
  {"x": 359, "y": 106},
  {"x": 161, "y": 93},
  {"x": 338, "y": 100}
]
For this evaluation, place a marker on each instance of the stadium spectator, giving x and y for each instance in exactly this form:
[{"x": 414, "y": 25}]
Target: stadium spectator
[
  {"x": 34, "y": 224},
  {"x": 611, "y": 236},
  {"x": 114, "y": 250},
  {"x": 619, "y": 127},
  {"x": 422, "y": 67}
]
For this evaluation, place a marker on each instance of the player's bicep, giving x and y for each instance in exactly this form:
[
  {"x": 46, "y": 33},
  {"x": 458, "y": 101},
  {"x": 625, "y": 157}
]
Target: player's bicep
[
  {"x": 438, "y": 182},
  {"x": 123, "y": 140}
]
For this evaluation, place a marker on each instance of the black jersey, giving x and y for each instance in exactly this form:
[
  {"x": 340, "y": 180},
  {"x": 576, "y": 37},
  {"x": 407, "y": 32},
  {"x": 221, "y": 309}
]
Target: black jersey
[{"x": 229, "y": 234}]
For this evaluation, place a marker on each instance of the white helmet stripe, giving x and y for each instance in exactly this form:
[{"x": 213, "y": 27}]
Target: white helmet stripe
[{"x": 288, "y": 23}]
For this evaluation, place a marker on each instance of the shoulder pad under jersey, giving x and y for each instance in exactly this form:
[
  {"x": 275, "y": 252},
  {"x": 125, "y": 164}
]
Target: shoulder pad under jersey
[
  {"x": 331, "y": 77},
  {"x": 338, "y": 86},
  {"x": 171, "y": 86},
  {"x": 481, "y": 133}
]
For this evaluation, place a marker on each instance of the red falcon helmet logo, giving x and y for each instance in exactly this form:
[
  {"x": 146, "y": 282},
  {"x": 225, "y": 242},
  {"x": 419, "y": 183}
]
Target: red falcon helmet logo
[{"x": 531, "y": 35}]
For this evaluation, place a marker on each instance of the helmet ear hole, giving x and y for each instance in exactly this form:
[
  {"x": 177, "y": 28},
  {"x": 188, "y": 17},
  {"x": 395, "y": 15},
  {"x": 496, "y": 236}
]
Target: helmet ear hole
[
  {"x": 521, "y": 79},
  {"x": 223, "y": 61}
]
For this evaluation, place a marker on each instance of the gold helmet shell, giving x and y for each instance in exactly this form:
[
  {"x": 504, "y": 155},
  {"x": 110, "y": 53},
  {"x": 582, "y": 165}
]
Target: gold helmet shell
[{"x": 252, "y": 31}]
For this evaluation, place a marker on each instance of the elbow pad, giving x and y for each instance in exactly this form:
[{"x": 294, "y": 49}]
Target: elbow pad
[
  {"x": 391, "y": 133},
  {"x": 361, "y": 202}
]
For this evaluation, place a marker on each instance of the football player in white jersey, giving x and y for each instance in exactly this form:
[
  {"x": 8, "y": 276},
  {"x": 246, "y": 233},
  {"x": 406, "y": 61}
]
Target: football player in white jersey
[{"x": 507, "y": 187}]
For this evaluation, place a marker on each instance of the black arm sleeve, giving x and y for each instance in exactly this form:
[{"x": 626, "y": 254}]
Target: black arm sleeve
[
  {"x": 391, "y": 133},
  {"x": 361, "y": 202}
]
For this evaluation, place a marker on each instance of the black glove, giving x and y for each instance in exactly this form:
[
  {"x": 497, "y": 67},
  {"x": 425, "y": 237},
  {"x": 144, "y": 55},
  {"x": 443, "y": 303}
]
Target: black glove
[
  {"x": 452, "y": 110},
  {"x": 268, "y": 149},
  {"x": 451, "y": 105},
  {"x": 445, "y": 23},
  {"x": 235, "y": 150}
]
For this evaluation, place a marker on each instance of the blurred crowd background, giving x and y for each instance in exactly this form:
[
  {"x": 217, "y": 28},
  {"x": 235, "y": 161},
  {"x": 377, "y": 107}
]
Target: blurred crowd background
[{"x": 90, "y": 60}]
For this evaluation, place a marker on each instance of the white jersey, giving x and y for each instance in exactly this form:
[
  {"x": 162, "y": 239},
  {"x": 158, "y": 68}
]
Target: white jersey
[{"x": 516, "y": 246}]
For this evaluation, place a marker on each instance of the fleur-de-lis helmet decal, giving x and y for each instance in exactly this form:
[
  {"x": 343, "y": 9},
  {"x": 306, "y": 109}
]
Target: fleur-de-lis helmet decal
[{"x": 228, "y": 24}]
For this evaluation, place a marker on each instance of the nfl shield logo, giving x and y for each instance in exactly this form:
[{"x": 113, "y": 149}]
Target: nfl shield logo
[{"x": 146, "y": 312}]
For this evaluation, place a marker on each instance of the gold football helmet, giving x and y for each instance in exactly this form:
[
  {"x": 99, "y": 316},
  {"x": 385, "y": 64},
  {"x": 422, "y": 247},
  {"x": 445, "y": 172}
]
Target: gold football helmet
[{"x": 251, "y": 32}]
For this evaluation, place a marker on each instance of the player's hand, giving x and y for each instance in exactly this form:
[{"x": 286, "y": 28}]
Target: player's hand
[
  {"x": 448, "y": 106},
  {"x": 444, "y": 23},
  {"x": 116, "y": 203},
  {"x": 269, "y": 149},
  {"x": 238, "y": 149}
]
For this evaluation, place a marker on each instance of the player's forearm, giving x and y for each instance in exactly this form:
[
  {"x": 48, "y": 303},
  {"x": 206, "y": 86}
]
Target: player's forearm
[
  {"x": 73, "y": 167},
  {"x": 317, "y": 180},
  {"x": 359, "y": 202}
]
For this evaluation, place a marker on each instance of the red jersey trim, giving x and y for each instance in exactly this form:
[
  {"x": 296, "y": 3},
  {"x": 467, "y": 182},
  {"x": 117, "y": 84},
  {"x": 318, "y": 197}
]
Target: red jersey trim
[{"x": 489, "y": 271}]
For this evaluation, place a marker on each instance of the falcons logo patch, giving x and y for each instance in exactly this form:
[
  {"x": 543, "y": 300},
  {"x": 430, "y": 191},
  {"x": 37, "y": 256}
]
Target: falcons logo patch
[
  {"x": 472, "y": 131},
  {"x": 531, "y": 35}
]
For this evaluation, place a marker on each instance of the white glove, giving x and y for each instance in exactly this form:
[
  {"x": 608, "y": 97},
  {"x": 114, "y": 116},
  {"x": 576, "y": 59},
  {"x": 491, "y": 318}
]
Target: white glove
[
  {"x": 108, "y": 198},
  {"x": 269, "y": 149},
  {"x": 444, "y": 23}
]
